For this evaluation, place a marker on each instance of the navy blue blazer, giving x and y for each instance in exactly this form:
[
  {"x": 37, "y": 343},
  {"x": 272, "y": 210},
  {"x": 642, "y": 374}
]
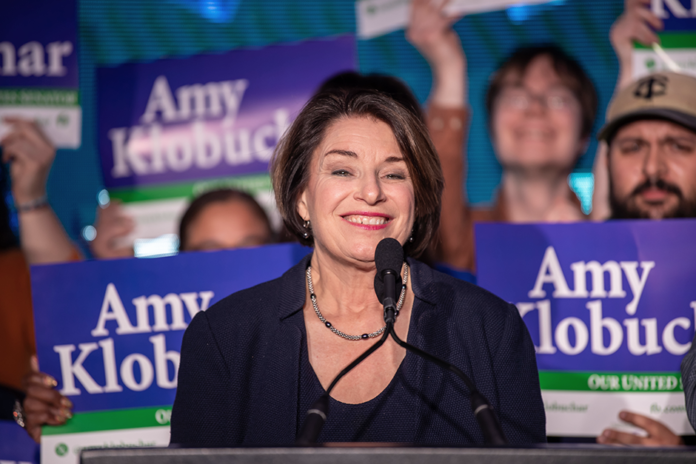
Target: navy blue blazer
[{"x": 239, "y": 372}]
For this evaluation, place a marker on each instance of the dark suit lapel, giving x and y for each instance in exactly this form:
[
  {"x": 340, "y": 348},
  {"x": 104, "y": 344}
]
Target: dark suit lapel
[{"x": 273, "y": 416}]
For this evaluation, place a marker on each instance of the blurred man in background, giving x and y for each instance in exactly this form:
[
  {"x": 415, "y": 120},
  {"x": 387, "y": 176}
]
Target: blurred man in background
[
  {"x": 541, "y": 110},
  {"x": 651, "y": 164}
]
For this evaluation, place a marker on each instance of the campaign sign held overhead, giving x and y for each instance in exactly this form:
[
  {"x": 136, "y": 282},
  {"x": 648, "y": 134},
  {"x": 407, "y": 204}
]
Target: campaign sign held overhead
[
  {"x": 39, "y": 67},
  {"x": 610, "y": 308},
  {"x": 110, "y": 333},
  {"x": 677, "y": 40},
  {"x": 205, "y": 116}
]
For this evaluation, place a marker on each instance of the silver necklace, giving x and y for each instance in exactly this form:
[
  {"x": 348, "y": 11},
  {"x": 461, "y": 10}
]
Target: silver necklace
[{"x": 330, "y": 326}]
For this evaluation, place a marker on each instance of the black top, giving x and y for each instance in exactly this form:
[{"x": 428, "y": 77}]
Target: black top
[
  {"x": 384, "y": 417},
  {"x": 245, "y": 377}
]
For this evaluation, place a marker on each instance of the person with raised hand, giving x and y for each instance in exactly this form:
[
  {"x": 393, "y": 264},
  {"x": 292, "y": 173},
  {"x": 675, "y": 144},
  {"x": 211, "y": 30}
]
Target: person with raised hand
[
  {"x": 30, "y": 155},
  {"x": 638, "y": 24},
  {"x": 27, "y": 395},
  {"x": 541, "y": 107}
]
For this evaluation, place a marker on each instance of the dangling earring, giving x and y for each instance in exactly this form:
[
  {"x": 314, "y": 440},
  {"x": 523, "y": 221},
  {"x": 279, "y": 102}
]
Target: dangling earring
[
  {"x": 410, "y": 239},
  {"x": 307, "y": 225}
]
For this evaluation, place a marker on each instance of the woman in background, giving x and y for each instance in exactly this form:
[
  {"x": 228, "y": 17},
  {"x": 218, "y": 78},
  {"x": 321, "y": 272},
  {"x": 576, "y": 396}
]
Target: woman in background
[{"x": 541, "y": 108}]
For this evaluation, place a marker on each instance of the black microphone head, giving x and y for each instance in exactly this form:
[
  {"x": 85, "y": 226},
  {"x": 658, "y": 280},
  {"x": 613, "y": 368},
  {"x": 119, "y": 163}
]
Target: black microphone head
[{"x": 389, "y": 256}]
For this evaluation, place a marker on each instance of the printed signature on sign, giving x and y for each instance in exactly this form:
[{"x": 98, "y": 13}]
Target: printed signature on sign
[{"x": 571, "y": 407}]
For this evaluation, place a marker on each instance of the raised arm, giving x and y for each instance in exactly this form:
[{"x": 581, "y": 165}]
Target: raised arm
[
  {"x": 637, "y": 24},
  {"x": 30, "y": 155},
  {"x": 430, "y": 31}
]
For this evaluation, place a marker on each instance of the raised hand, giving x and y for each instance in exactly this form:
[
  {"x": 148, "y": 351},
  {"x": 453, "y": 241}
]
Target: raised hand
[
  {"x": 637, "y": 24},
  {"x": 31, "y": 155},
  {"x": 112, "y": 224},
  {"x": 430, "y": 31}
]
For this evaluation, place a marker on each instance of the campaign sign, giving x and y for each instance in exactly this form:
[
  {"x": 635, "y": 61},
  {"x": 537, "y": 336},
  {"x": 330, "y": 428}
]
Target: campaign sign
[
  {"x": 16, "y": 446},
  {"x": 677, "y": 39},
  {"x": 39, "y": 67},
  {"x": 205, "y": 116},
  {"x": 174, "y": 128},
  {"x": 110, "y": 333},
  {"x": 610, "y": 308}
]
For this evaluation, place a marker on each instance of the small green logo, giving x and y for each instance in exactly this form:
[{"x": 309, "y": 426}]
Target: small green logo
[
  {"x": 371, "y": 10},
  {"x": 61, "y": 449},
  {"x": 650, "y": 63},
  {"x": 62, "y": 119}
]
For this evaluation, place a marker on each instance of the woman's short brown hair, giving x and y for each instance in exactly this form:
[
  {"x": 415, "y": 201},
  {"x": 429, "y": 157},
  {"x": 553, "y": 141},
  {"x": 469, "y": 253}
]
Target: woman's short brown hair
[
  {"x": 290, "y": 167},
  {"x": 567, "y": 68}
]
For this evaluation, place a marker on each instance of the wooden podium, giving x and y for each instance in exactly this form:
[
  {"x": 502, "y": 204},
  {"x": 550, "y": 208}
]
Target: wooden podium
[{"x": 361, "y": 453}]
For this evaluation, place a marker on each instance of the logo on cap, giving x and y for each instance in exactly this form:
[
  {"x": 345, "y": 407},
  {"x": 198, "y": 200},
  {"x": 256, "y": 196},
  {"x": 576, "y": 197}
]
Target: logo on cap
[{"x": 652, "y": 86}]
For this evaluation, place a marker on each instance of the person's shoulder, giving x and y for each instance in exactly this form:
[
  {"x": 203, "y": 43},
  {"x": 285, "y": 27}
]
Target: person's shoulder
[
  {"x": 461, "y": 298},
  {"x": 248, "y": 304},
  {"x": 262, "y": 303}
]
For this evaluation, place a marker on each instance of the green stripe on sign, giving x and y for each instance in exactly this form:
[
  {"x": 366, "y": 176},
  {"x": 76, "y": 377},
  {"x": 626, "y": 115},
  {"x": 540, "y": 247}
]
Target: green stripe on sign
[
  {"x": 673, "y": 40},
  {"x": 39, "y": 97},
  {"x": 112, "y": 420},
  {"x": 251, "y": 184},
  {"x": 619, "y": 382}
]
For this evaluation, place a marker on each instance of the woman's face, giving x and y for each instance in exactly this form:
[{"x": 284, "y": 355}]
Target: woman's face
[
  {"x": 537, "y": 120},
  {"x": 359, "y": 191}
]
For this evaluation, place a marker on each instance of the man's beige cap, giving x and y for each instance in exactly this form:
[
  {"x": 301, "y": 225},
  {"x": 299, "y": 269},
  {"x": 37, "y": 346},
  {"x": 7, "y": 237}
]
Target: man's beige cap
[{"x": 665, "y": 95}]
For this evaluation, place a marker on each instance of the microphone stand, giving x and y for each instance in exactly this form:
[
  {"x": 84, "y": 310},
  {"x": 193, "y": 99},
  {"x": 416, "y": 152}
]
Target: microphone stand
[{"x": 488, "y": 422}]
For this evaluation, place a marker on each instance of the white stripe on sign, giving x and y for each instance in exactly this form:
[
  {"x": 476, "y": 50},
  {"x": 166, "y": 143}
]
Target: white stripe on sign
[
  {"x": 65, "y": 449},
  {"x": 587, "y": 414}
]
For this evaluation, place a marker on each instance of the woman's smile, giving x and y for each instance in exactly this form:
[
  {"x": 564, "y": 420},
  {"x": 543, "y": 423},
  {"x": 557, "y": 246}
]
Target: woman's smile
[{"x": 368, "y": 220}]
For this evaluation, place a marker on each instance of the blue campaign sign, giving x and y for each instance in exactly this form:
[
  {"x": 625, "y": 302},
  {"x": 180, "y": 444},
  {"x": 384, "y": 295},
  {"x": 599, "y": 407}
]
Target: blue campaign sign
[
  {"x": 677, "y": 15},
  {"x": 38, "y": 44},
  {"x": 205, "y": 116},
  {"x": 16, "y": 446},
  {"x": 110, "y": 331},
  {"x": 613, "y": 297}
]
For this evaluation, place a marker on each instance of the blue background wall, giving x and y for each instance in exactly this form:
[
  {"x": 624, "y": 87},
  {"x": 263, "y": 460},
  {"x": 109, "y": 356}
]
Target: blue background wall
[{"x": 117, "y": 31}]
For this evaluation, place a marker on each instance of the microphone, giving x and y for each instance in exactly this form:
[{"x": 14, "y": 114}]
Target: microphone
[{"x": 389, "y": 257}]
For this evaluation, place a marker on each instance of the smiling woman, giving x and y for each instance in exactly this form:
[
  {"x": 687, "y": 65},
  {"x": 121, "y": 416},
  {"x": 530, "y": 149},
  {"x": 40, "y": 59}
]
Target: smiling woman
[
  {"x": 354, "y": 168},
  {"x": 340, "y": 127}
]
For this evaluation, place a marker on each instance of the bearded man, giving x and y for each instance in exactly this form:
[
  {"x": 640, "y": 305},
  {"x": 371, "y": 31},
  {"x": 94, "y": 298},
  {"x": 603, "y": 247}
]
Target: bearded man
[{"x": 651, "y": 134}]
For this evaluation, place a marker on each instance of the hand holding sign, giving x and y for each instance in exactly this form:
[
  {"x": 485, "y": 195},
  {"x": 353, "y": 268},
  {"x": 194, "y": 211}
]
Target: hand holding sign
[
  {"x": 31, "y": 154},
  {"x": 430, "y": 31},
  {"x": 658, "y": 433},
  {"x": 113, "y": 225},
  {"x": 43, "y": 404},
  {"x": 637, "y": 24}
]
